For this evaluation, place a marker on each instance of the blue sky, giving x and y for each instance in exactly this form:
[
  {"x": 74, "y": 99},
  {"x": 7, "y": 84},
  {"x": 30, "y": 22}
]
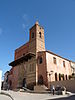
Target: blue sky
[{"x": 17, "y": 16}]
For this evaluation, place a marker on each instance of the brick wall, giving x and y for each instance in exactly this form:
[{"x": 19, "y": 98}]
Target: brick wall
[{"x": 21, "y": 51}]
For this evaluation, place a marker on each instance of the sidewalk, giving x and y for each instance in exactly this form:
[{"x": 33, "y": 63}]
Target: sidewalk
[{"x": 33, "y": 96}]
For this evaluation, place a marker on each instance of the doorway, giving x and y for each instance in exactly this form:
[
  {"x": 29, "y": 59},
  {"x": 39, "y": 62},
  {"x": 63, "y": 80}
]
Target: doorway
[{"x": 24, "y": 82}]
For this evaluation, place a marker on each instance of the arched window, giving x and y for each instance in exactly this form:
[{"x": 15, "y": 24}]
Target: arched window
[
  {"x": 66, "y": 77},
  {"x": 40, "y": 34},
  {"x": 63, "y": 76},
  {"x": 55, "y": 76},
  {"x": 40, "y": 60},
  {"x": 59, "y": 77}
]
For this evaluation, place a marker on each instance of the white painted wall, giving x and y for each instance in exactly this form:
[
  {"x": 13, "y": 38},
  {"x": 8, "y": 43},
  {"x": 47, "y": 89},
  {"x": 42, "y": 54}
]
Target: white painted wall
[
  {"x": 58, "y": 67},
  {"x": 0, "y": 79}
]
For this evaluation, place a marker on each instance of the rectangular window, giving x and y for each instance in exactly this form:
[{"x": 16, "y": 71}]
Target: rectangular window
[
  {"x": 54, "y": 60},
  {"x": 64, "y": 63},
  {"x": 32, "y": 35}
]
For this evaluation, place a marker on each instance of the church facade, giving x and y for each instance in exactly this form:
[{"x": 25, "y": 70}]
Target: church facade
[{"x": 33, "y": 64}]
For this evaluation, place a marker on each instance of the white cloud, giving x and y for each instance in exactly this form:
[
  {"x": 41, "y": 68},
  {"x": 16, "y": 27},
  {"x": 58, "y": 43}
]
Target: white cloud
[{"x": 1, "y": 31}]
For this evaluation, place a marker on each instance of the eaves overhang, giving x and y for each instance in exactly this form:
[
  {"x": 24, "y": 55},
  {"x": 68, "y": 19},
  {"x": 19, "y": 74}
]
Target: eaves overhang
[{"x": 20, "y": 60}]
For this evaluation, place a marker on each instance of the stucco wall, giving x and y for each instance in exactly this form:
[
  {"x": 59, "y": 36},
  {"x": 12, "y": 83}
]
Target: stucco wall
[{"x": 58, "y": 67}]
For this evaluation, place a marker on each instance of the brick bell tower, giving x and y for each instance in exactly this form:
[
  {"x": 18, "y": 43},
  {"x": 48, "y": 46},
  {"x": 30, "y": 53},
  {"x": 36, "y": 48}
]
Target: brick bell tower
[
  {"x": 36, "y": 42},
  {"x": 36, "y": 39}
]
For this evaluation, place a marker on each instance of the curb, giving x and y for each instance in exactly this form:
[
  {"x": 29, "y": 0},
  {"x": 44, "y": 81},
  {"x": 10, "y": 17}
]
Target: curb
[
  {"x": 35, "y": 92},
  {"x": 3, "y": 93}
]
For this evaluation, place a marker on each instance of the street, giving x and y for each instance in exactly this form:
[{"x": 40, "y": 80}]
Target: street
[
  {"x": 32, "y": 96},
  {"x": 4, "y": 97},
  {"x": 65, "y": 98}
]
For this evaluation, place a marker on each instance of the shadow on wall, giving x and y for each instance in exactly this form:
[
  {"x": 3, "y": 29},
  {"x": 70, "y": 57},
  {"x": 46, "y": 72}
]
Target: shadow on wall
[{"x": 65, "y": 98}]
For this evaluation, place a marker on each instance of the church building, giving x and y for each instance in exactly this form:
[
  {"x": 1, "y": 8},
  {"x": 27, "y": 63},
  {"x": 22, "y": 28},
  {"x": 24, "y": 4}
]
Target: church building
[{"x": 34, "y": 65}]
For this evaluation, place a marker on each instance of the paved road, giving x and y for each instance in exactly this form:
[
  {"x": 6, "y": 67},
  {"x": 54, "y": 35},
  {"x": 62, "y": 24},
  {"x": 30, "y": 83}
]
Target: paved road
[
  {"x": 4, "y": 97},
  {"x": 66, "y": 98},
  {"x": 34, "y": 96}
]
